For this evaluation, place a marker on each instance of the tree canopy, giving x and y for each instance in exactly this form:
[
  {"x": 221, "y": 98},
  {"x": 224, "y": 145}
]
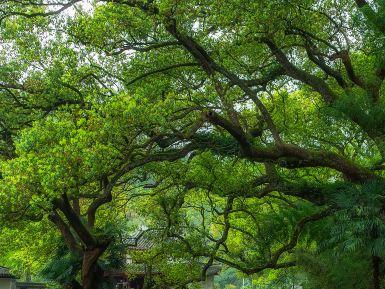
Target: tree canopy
[{"x": 245, "y": 133}]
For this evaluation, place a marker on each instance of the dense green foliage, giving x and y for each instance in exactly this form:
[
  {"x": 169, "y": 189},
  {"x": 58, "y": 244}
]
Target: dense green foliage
[{"x": 249, "y": 134}]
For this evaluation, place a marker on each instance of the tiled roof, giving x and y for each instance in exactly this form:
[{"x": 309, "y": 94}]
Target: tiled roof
[
  {"x": 115, "y": 273},
  {"x": 136, "y": 269},
  {"x": 139, "y": 242},
  {"x": 5, "y": 274},
  {"x": 4, "y": 269},
  {"x": 30, "y": 285}
]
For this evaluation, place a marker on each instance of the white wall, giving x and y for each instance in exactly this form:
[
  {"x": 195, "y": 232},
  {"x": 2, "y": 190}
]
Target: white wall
[
  {"x": 208, "y": 283},
  {"x": 5, "y": 283}
]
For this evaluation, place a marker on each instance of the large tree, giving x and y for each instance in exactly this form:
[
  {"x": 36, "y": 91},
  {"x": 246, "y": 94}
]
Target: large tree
[{"x": 293, "y": 91}]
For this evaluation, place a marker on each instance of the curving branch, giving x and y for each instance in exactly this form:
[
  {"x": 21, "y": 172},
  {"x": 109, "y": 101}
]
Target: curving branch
[
  {"x": 271, "y": 75},
  {"x": 291, "y": 70},
  {"x": 374, "y": 18},
  {"x": 292, "y": 156},
  {"x": 65, "y": 230},
  {"x": 64, "y": 6},
  {"x": 140, "y": 47},
  {"x": 105, "y": 198},
  {"x": 75, "y": 221},
  {"x": 275, "y": 256},
  {"x": 160, "y": 70}
]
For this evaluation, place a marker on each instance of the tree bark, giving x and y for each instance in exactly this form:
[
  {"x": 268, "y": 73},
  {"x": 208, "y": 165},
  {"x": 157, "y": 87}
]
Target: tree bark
[
  {"x": 376, "y": 261},
  {"x": 92, "y": 273}
]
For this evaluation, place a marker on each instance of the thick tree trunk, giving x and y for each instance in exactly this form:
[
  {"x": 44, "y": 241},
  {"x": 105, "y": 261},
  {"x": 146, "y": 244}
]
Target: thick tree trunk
[
  {"x": 376, "y": 261},
  {"x": 92, "y": 274}
]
